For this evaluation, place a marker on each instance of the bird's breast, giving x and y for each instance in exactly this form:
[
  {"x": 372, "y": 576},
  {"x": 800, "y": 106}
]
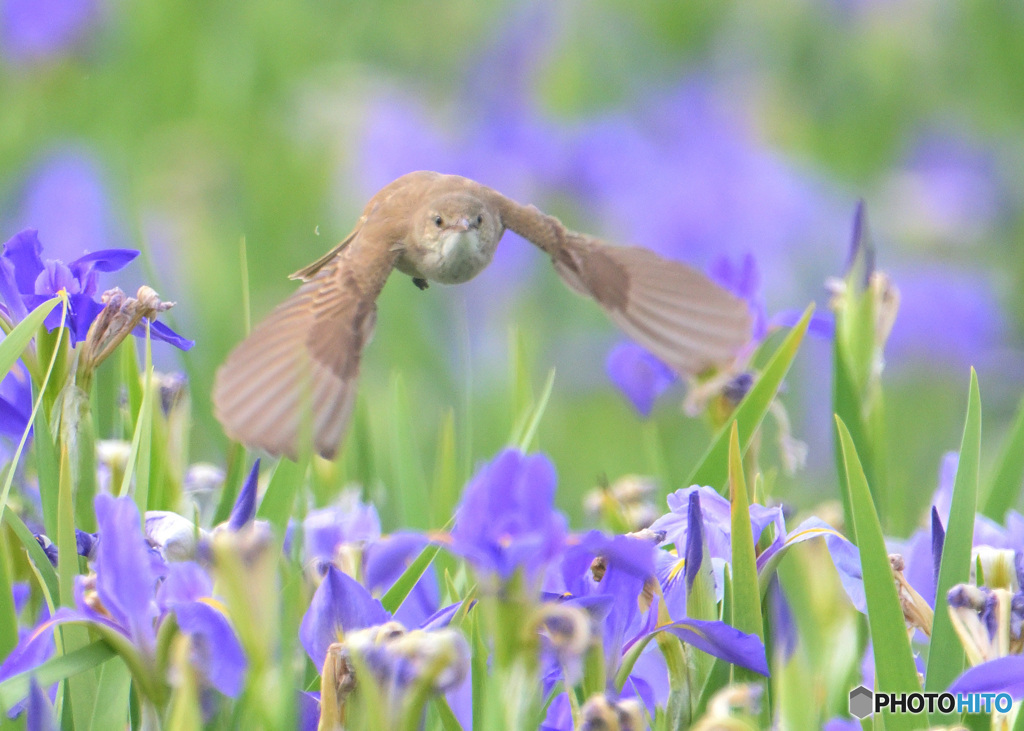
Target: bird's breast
[{"x": 452, "y": 258}]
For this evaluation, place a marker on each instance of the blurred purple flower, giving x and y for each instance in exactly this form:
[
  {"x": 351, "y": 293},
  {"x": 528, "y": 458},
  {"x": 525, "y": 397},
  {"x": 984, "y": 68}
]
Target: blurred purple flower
[
  {"x": 506, "y": 520},
  {"x": 348, "y": 521},
  {"x": 948, "y": 316},
  {"x": 640, "y": 376},
  {"x": 65, "y": 197},
  {"x": 947, "y": 188},
  {"x": 37, "y": 30}
]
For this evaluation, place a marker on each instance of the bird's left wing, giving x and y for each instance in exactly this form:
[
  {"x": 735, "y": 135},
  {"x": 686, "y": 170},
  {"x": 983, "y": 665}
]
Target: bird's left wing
[
  {"x": 292, "y": 382},
  {"x": 674, "y": 311}
]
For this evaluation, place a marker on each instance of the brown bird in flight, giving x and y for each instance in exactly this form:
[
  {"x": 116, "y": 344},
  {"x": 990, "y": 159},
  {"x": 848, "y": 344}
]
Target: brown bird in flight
[{"x": 293, "y": 380}]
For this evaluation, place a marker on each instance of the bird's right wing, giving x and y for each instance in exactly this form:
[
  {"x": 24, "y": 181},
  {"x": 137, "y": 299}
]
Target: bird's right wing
[
  {"x": 674, "y": 311},
  {"x": 292, "y": 382}
]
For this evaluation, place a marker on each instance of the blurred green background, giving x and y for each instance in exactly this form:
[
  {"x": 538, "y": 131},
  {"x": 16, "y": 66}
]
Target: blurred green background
[{"x": 698, "y": 129}]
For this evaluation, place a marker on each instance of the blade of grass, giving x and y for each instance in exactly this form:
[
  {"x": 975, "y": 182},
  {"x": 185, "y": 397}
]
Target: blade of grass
[
  {"x": 945, "y": 652},
  {"x": 1002, "y": 492},
  {"x": 276, "y": 506},
  {"x": 47, "y": 471},
  {"x": 8, "y": 615},
  {"x": 535, "y": 414},
  {"x": 712, "y": 469},
  {"x": 40, "y": 563},
  {"x": 894, "y": 663},
  {"x": 15, "y": 342},
  {"x": 746, "y": 607},
  {"x": 398, "y": 592}
]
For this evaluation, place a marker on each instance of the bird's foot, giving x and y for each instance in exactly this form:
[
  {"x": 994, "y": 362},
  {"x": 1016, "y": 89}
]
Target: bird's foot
[{"x": 421, "y": 283}]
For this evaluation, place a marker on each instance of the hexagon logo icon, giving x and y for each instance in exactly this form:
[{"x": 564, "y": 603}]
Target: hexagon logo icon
[{"x": 861, "y": 702}]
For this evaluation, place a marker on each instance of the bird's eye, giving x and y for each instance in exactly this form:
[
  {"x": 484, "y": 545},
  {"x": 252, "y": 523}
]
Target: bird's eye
[
  {"x": 438, "y": 221},
  {"x": 479, "y": 218}
]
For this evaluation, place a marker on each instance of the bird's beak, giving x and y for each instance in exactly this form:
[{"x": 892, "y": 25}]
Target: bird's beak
[{"x": 460, "y": 226}]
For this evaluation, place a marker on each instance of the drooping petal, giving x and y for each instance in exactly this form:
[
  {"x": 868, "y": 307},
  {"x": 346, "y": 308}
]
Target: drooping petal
[
  {"x": 160, "y": 331},
  {"x": 1002, "y": 675},
  {"x": 723, "y": 641},
  {"x": 339, "y": 605},
  {"x": 216, "y": 650}
]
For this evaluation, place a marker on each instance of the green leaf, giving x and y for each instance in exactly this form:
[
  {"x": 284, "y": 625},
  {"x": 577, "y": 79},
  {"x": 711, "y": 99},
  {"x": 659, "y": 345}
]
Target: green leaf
[
  {"x": 40, "y": 563},
  {"x": 55, "y": 669},
  {"x": 894, "y": 663},
  {"x": 410, "y": 482},
  {"x": 8, "y": 615},
  {"x": 398, "y": 592},
  {"x": 713, "y": 467},
  {"x": 112, "y": 690},
  {"x": 15, "y": 342},
  {"x": 47, "y": 471},
  {"x": 534, "y": 415},
  {"x": 945, "y": 652},
  {"x": 448, "y": 720},
  {"x": 1002, "y": 492},
  {"x": 746, "y": 608},
  {"x": 276, "y": 506}
]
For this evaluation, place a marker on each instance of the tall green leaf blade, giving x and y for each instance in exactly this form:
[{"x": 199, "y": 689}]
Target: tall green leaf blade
[
  {"x": 1003, "y": 490},
  {"x": 47, "y": 471},
  {"x": 713, "y": 467},
  {"x": 746, "y": 607},
  {"x": 40, "y": 563},
  {"x": 946, "y": 653},
  {"x": 894, "y": 662},
  {"x": 55, "y": 669},
  {"x": 8, "y": 615},
  {"x": 277, "y": 502}
]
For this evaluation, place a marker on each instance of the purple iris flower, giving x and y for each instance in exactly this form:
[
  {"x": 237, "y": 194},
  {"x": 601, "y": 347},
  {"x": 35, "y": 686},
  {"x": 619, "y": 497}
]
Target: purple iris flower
[
  {"x": 27, "y": 280},
  {"x": 36, "y": 30},
  {"x": 386, "y": 559},
  {"x": 134, "y": 591},
  {"x": 507, "y": 520},
  {"x": 717, "y": 527}
]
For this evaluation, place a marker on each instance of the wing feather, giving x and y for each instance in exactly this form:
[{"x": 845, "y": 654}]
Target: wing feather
[{"x": 293, "y": 380}]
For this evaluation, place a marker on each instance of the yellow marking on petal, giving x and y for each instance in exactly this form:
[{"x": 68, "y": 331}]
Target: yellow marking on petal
[
  {"x": 814, "y": 532},
  {"x": 216, "y": 604},
  {"x": 677, "y": 567}
]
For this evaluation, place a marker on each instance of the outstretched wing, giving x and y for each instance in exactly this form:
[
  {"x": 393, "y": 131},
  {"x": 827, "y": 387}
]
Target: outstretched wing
[
  {"x": 674, "y": 311},
  {"x": 292, "y": 382}
]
